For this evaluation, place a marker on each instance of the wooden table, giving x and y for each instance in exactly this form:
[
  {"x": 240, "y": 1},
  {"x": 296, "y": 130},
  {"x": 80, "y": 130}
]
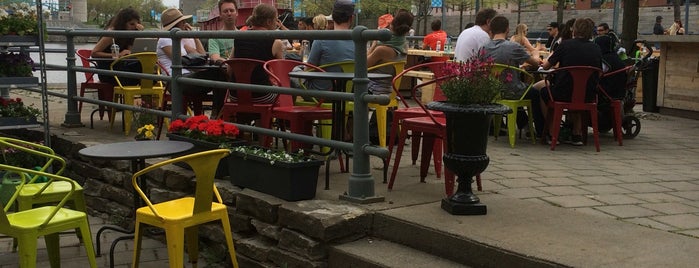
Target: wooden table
[
  {"x": 427, "y": 91},
  {"x": 430, "y": 53}
]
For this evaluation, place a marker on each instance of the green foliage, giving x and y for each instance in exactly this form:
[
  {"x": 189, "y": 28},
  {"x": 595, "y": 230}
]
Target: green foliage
[
  {"x": 16, "y": 108},
  {"x": 18, "y": 19},
  {"x": 272, "y": 155},
  {"x": 18, "y": 158},
  {"x": 106, "y": 9},
  {"x": 16, "y": 64}
]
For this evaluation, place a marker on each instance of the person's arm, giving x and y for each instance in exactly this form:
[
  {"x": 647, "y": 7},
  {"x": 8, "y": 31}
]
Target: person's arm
[
  {"x": 102, "y": 44},
  {"x": 381, "y": 53},
  {"x": 532, "y": 50},
  {"x": 316, "y": 51},
  {"x": 278, "y": 49}
]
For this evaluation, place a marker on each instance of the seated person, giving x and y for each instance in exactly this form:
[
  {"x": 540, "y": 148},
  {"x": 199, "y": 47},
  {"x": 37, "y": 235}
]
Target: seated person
[
  {"x": 437, "y": 34},
  {"x": 331, "y": 51},
  {"x": 614, "y": 85},
  {"x": 520, "y": 37},
  {"x": 578, "y": 51},
  {"x": 172, "y": 18},
  {"x": 390, "y": 51},
  {"x": 127, "y": 19},
  {"x": 264, "y": 17}
]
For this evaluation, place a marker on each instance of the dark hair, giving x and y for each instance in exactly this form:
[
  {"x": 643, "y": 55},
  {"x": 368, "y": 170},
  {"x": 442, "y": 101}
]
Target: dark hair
[
  {"x": 343, "y": 10},
  {"x": 566, "y": 32},
  {"x": 499, "y": 25},
  {"x": 436, "y": 25},
  {"x": 287, "y": 18},
  {"x": 483, "y": 16},
  {"x": 402, "y": 22},
  {"x": 262, "y": 14},
  {"x": 604, "y": 26},
  {"x": 582, "y": 28},
  {"x": 308, "y": 21},
  {"x": 221, "y": 2},
  {"x": 469, "y": 25},
  {"x": 123, "y": 17}
]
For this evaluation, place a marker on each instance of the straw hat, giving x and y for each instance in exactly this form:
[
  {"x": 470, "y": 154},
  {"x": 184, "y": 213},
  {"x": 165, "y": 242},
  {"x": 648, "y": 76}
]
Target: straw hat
[{"x": 172, "y": 17}]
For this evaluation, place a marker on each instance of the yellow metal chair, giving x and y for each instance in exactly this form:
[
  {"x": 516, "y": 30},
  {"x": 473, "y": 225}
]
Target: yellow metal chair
[
  {"x": 47, "y": 221},
  {"x": 127, "y": 94},
  {"x": 381, "y": 110},
  {"x": 34, "y": 193},
  {"x": 515, "y": 104},
  {"x": 180, "y": 217}
]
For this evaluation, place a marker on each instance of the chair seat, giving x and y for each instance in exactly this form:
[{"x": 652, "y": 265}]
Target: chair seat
[
  {"x": 424, "y": 124},
  {"x": 60, "y": 187},
  {"x": 303, "y": 109},
  {"x": 176, "y": 210},
  {"x": 32, "y": 219},
  {"x": 414, "y": 112}
]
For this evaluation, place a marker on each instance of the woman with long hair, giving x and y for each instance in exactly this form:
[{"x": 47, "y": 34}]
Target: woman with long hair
[
  {"x": 391, "y": 50},
  {"x": 127, "y": 19},
  {"x": 520, "y": 37}
]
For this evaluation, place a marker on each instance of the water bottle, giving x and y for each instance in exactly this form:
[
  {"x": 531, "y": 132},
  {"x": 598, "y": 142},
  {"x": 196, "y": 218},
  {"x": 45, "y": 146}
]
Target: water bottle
[
  {"x": 447, "y": 46},
  {"x": 305, "y": 51},
  {"x": 438, "y": 46},
  {"x": 115, "y": 51}
]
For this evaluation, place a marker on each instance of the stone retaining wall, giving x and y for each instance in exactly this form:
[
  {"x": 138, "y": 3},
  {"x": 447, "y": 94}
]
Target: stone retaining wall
[{"x": 268, "y": 232}]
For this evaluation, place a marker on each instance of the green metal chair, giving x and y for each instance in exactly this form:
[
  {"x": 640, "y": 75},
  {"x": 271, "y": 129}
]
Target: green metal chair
[
  {"x": 514, "y": 104},
  {"x": 47, "y": 221}
]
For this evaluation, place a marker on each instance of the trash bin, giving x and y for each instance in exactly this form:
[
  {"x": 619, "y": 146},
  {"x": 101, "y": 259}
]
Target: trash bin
[{"x": 650, "y": 85}]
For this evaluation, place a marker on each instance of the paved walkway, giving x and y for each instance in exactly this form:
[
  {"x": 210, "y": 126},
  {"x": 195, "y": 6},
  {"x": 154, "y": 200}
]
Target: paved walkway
[{"x": 650, "y": 181}]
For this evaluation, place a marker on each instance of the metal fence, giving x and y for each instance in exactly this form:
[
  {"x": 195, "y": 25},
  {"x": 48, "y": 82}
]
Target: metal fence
[{"x": 361, "y": 182}]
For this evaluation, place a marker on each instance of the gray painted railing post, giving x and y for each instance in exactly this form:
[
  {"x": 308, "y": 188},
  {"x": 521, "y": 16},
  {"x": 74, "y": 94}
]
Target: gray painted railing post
[
  {"x": 72, "y": 116},
  {"x": 361, "y": 182}
]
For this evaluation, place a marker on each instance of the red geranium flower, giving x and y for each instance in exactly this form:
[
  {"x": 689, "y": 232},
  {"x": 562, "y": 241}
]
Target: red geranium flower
[{"x": 202, "y": 128}]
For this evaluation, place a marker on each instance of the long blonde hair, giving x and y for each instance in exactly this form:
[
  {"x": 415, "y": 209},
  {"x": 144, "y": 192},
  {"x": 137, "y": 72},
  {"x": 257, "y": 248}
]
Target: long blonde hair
[
  {"x": 520, "y": 34},
  {"x": 319, "y": 22}
]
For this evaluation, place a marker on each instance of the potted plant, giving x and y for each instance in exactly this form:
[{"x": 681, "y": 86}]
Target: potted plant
[
  {"x": 18, "y": 19},
  {"x": 18, "y": 158},
  {"x": 471, "y": 92},
  {"x": 18, "y": 27},
  {"x": 289, "y": 176},
  {"x": 14, "y": 112},
  {"x": 206, "y": 134}
]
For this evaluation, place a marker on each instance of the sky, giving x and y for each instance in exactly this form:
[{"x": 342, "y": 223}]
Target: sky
[{"x": 171, "y": 3}]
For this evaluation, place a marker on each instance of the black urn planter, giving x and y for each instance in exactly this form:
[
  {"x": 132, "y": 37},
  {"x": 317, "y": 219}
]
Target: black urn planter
[
  {"x": 467, "y": 141},
  {"x": 200, "y": 146}
]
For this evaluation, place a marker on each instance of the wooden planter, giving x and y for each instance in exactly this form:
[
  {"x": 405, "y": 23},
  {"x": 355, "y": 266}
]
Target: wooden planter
[
  {"x": 200, "y": 146},
  {"x": 17, "y": 121},
  {"x": 288, "y": 181}
]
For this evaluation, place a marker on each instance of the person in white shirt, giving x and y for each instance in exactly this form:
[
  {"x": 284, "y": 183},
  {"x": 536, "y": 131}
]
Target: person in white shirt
[{"x": 471, "y": 40}]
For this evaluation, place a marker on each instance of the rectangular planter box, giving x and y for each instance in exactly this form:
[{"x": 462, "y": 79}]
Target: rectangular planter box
[
  {"x": 19, "y": 41},
  {"x": 200, "y": 146},
  {"x": 18, "y": 82},
  {"x": 288, "y": 181}
]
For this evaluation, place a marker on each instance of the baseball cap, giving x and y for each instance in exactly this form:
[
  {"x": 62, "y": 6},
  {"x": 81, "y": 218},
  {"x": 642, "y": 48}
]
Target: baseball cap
[
  {"x": 659, "y": 18},
  {"x": 344, "y": 7},
  {"x": 553, "y": 24}
]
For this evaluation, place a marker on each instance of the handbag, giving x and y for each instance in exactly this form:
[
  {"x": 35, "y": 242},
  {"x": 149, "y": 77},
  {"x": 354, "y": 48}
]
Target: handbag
[{"x": 194, "y": 60}]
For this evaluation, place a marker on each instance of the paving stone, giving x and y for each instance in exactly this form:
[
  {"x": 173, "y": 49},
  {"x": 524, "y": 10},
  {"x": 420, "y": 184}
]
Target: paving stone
[
  {"x": 644, "y": 177},
  {"x": 615, "y": 199},
  {"x": 563, "y": 190},
  {"x": 519, "y": 183},
  {"x": 671, "y": 208},
  {"x": 591, "y": 172},
  {"x": 517, "y": 174},
  {"x": 692, "y": 233},
  {"x": 682, "y": 221},
  {"x": 523, "y": 192},
  {"x": 657, "y": 197},
  {"x": 604, "y": 189},
  {"x": 557, "y": 181},
  {"x": 570, "y": 201},
  {"x": 596, "y": 180},
  {"x": 628, "y": 211},
  {"x": 679, "y": 185},
  {"x": 594, "y": 212},
  {"x": 644, "y": 187},
  {"x": 691, "y": 195},
  {"x": 650, "y": 223},
  {"x": 514, "y": 167}
]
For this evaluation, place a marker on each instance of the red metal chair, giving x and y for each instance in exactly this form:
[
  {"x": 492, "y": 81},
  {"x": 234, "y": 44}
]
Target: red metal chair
[
  {"x": 616, "y": 106},
  {"x": 242, "y": 70},
  {"x": 300, "y": 118},
  {"x": 408, "y": 112},
  {"x": 91, "y": 84},
  {"x": 580, "y": 76}
]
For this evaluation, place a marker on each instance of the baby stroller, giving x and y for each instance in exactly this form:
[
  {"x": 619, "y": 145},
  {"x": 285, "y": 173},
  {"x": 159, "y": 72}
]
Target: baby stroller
[{"x": 630, "y": 124}]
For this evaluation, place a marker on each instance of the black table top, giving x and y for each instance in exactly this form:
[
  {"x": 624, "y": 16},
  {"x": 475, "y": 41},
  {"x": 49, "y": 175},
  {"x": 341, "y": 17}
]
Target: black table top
[
  {"x": 335, "y": 75},
  {"x": 136, "y": 149}
]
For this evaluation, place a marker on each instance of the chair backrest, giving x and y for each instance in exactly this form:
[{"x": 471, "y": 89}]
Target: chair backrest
[
  {"x": 84, "y": 55},
  {"x": 149, "y": 65},
  {"x": 241, "y": 71},
  {"x": 581, "y": 78},
  {"x": 24, "y": 173},
  {"x": 499, "y": 70},
  {"x": 398, "y": 67},
  {"x": 345, "y": 66},
  {"x": 37, "y": 150},
  {"x": 417, "y": 100},
  {"x": 278, "y": 71},
  {"x": 437, "y": 68},
  {"x": 204, "y": 166}
]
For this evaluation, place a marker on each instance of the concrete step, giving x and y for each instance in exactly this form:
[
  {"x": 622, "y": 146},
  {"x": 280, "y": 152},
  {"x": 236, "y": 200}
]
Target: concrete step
[
  {"x": 520, "y": 233},
  {"x": 368, "y": 253}
]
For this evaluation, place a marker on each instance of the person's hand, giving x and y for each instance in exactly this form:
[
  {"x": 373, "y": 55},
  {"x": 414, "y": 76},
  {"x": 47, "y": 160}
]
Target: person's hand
[
  {"x": 186, "y": 27},
  {"x": 139, "y": 27}
]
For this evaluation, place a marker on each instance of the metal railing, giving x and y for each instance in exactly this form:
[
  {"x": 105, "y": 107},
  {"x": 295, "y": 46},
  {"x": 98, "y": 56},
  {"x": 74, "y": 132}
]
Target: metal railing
[{"x": 361, "y": 182}]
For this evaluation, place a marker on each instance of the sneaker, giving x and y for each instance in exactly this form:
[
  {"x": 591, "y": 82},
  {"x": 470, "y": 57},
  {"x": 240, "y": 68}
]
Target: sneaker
[{"x": 576, "y": 140}]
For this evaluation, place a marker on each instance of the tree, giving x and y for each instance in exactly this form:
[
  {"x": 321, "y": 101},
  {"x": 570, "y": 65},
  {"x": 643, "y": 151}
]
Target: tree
[{"x": 106, "y": 9}]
